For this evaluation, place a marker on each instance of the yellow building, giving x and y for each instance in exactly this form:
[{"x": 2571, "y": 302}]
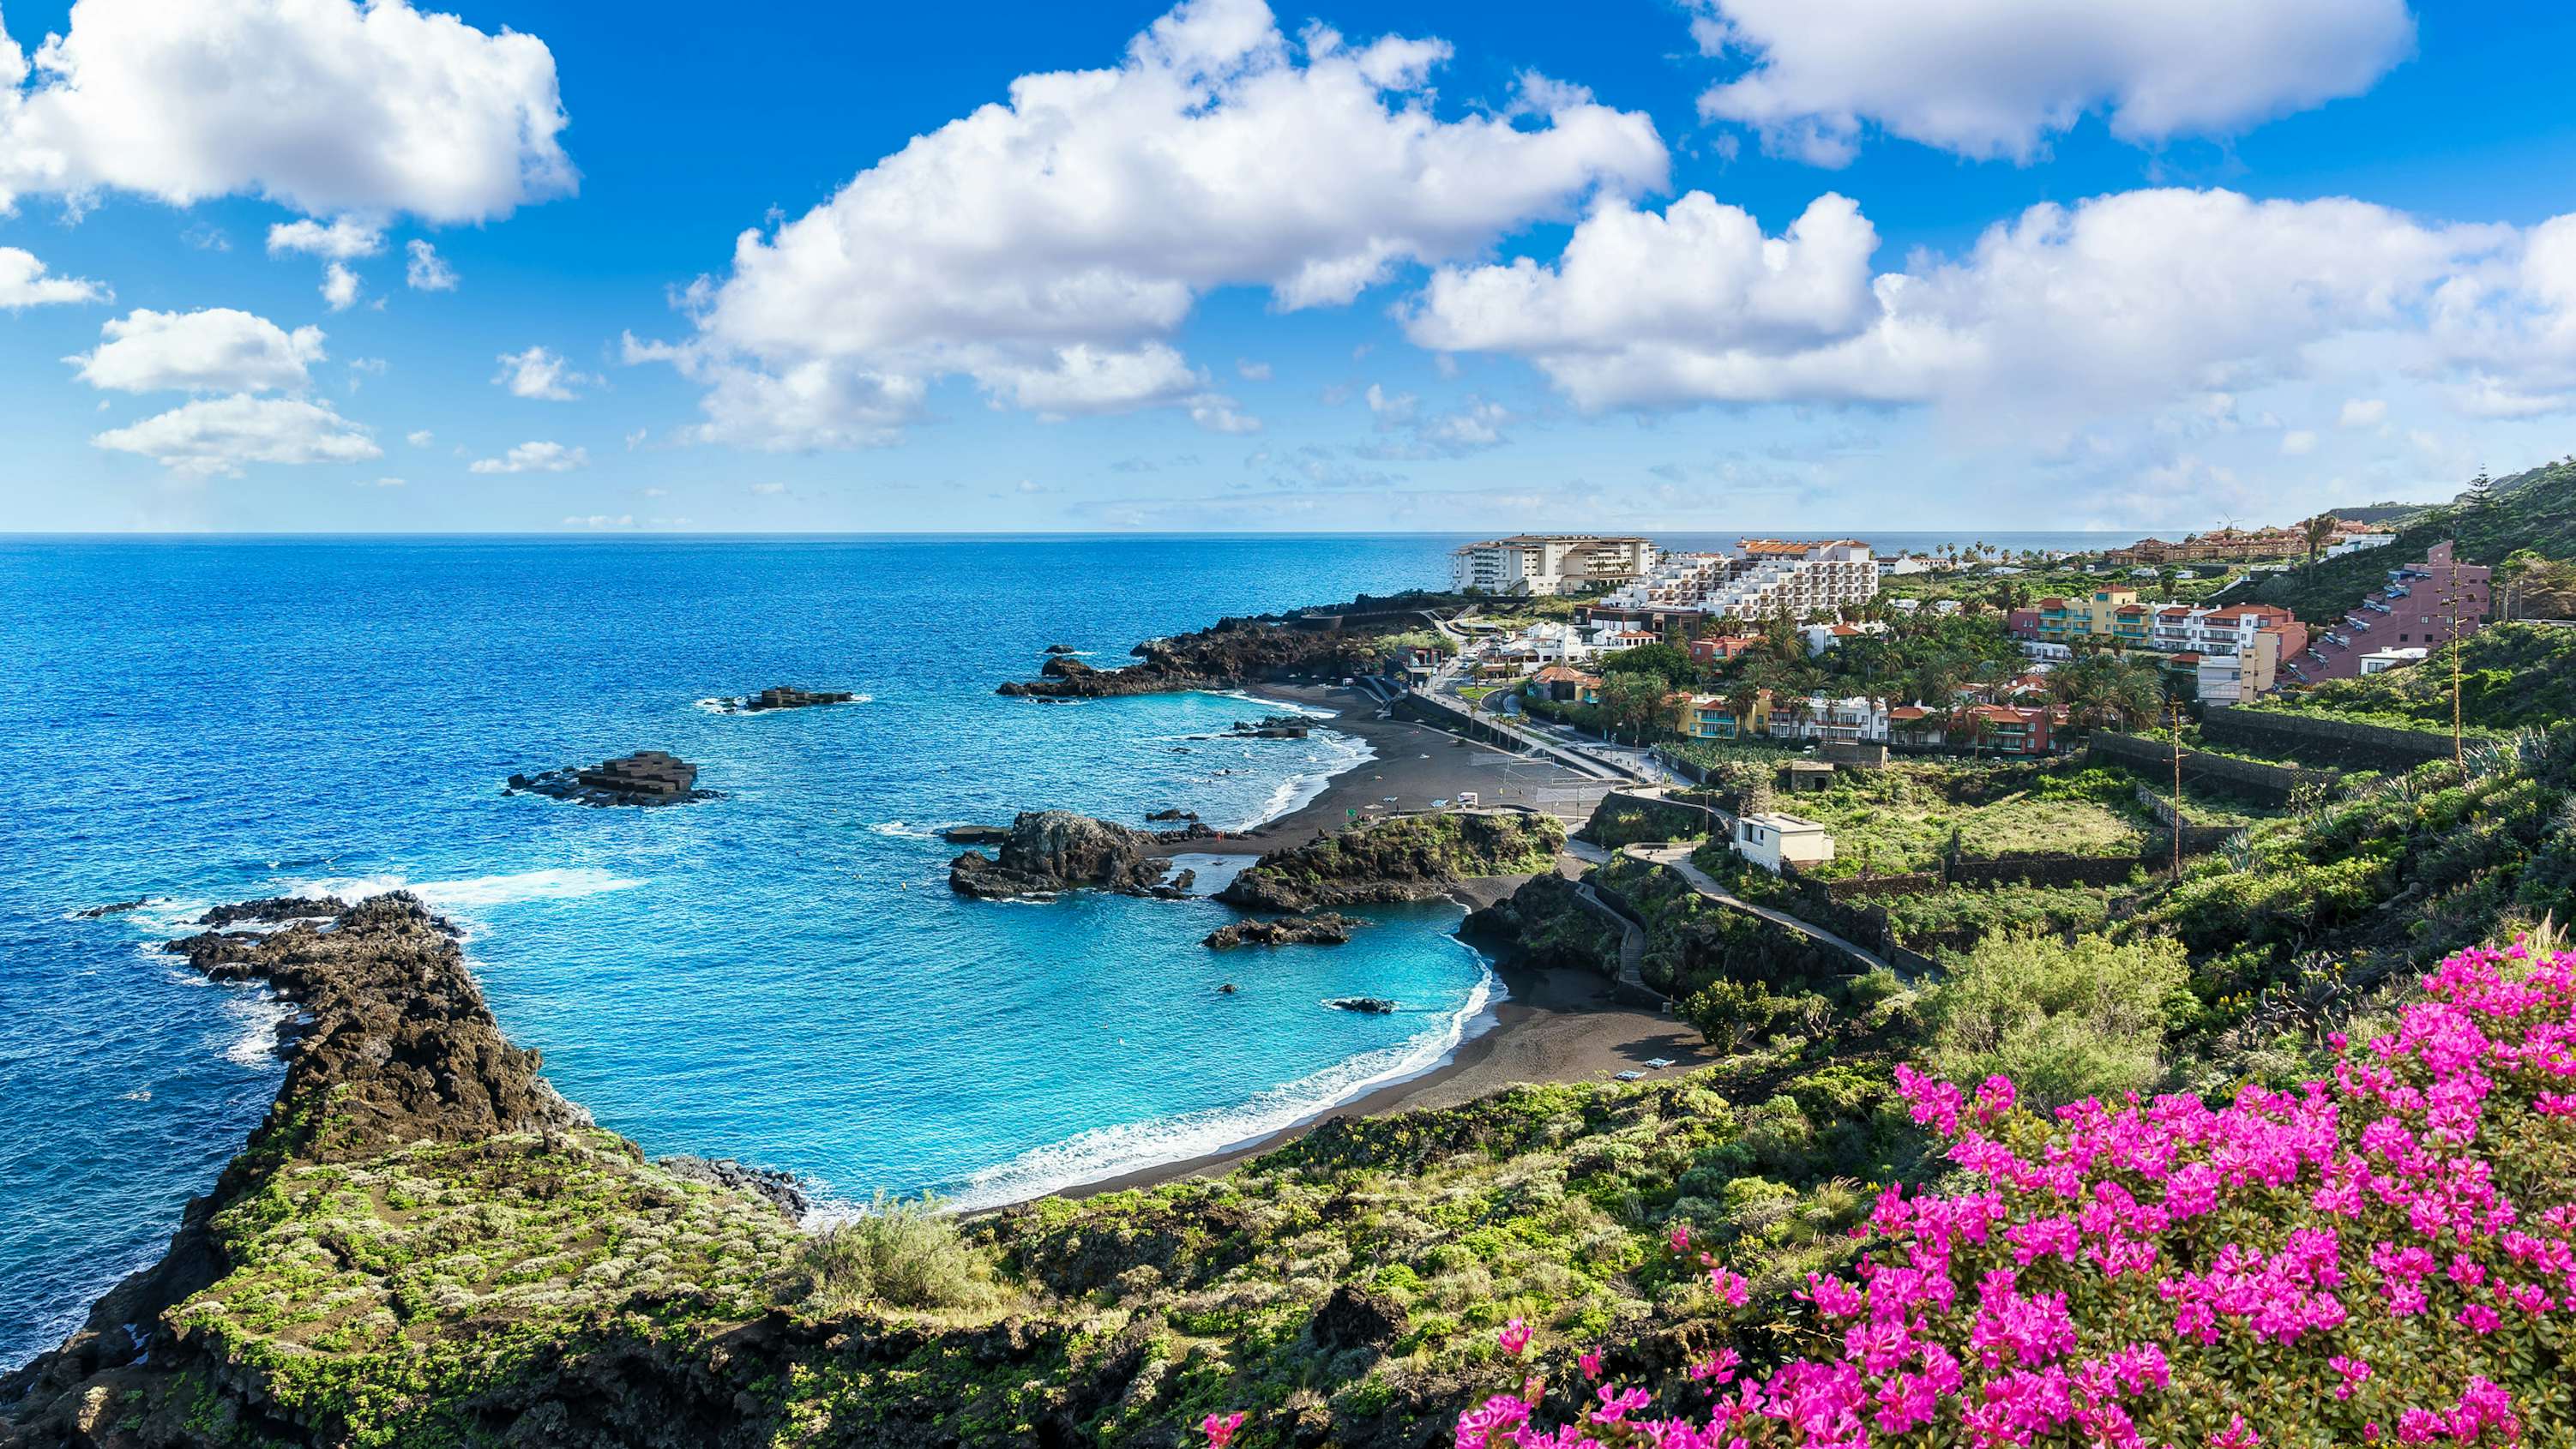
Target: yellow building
[
  {"x": 1712, "y": 717},
  {"x": 2111, "y": 613}
]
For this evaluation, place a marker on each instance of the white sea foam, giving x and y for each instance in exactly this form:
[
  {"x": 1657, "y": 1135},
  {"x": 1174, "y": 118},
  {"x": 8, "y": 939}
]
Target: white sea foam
[
  {"x": 1348, "y": 752},
  {"x": 478, "y": 892},
  {"x": 256, "y": 1016},
  {"x": 1106, "y": 1152},
  {"x": 904, "y": 830}
]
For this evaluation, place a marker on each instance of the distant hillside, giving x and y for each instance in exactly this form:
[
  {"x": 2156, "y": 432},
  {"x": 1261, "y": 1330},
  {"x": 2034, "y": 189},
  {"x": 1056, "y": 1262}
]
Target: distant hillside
[
  {"x": 2511, "y": 675},
  {"x": 2535, "y": 509},
  {"x": 2378, "y": 512}
]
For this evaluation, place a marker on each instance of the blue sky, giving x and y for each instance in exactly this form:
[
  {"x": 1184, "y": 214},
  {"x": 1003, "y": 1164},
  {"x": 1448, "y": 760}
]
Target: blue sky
[{"x": 1710, "y": 265}]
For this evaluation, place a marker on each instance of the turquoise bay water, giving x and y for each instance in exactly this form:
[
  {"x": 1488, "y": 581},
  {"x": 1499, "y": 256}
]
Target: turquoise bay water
[{"x": 780, "y": 975}]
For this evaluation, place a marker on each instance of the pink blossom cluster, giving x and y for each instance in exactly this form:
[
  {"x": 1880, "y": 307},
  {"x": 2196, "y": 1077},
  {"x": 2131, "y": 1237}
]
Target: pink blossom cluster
[{"x": 2105, "y": 1279}]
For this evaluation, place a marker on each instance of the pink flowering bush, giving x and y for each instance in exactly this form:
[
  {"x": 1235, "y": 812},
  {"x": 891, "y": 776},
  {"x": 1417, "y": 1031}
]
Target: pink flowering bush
[{"x": 2381, "y": 1256}]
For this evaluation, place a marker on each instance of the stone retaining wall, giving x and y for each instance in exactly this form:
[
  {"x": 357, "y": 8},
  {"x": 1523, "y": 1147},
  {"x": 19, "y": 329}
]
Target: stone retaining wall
[
  {"x": 2252, "y": 778},
  {"x": 2334, "y": 741}
]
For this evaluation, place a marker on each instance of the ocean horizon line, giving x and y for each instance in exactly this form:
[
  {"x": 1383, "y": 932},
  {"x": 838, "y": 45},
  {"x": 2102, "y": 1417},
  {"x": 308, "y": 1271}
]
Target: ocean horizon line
[{"x": 657, "y": 534}]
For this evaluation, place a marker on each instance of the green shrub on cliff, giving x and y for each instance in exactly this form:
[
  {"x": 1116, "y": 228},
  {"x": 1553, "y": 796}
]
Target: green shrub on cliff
[
  {"x": 905, "y": 1253},
  {"x": 2065, "y": 1020}
]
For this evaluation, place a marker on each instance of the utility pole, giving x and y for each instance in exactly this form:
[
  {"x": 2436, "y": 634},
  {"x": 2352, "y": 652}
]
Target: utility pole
[
  {"x": 2173, "y": 712},
  {"x": 2451, "y": 599}
]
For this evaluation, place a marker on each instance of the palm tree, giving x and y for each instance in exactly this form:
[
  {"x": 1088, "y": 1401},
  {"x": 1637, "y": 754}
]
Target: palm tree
[
  {"x": 1968, "y": 722},
  {"x": 2135, "y": 691},
  {"x": 1744, "y": 701},
  {"x": 2315, "y": 533}
]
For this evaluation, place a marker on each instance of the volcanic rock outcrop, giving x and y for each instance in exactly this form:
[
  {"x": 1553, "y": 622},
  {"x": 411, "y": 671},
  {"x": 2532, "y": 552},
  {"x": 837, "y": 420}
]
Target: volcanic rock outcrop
[
  {"x": 1328, "y": 929},
  {"x": 647, "y": 777},
  {"x": 1056, "y": 850}
]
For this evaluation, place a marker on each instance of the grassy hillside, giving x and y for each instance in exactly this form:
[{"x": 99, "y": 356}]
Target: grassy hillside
[
  {"x": 2511, "y": 676},
  {"x": 2534, "y": 510}
]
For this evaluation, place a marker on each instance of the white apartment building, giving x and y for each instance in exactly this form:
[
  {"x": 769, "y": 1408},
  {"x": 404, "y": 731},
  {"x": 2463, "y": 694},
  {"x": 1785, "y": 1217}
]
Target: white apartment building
[
  {"x": 1802, "y": 578},
  {"x": 1549, "y": 563},
  {"x": 1833, "y": 721},
  {"x": 2177, "y": 629},
  {"x": 1677, "y": 581},
  {"x": 2356, "y": 542}
]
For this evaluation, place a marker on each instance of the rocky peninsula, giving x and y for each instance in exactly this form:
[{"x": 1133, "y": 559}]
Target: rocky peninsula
[
  {"x": 1408, "y": 858},
  {"x": 647, "y": 777},
  {"x": 1308, "y": 645}
]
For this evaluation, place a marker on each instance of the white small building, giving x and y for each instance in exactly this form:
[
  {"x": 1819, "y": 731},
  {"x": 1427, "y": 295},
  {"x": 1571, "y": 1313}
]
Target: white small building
[
  {"x": 1770, "y": 839},
  {"x": 2356, "y": 542},
  {"x": 2381, "y": 660}
]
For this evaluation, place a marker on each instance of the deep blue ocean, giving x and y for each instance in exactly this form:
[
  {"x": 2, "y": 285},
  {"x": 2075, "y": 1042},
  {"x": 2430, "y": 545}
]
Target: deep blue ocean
[{"x": 779, "y": 975}]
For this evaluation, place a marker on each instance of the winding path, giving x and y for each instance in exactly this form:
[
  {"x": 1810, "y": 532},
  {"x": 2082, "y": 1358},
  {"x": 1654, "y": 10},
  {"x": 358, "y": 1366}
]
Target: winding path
[{"x": 1678, "y": 858}]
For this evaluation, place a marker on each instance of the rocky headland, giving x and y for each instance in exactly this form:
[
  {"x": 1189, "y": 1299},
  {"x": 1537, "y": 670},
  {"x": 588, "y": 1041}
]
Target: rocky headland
[
  {"x": 425, "y": 1244},
  {"x": 647, "y": 777},
  {"x": 1051, "y": 851},
  {"x": 1328, "y": 929},
  {"x": 1408, "y": 858},
  {"x": 1325, "y": 643}
]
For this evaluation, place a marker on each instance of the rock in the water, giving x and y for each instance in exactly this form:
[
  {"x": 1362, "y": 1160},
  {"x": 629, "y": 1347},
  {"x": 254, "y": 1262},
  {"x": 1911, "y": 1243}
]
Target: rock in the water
[
  {"x": 779, "y": 1188},
  {"x": 120, "y": 907},
  {"x": 1056, "y": 850},
  {"x": 1273, "y": 727},
  {"x": 647, "y": 777},
  {"x": 785, "y": 696},
  {"x": 1368, "y": 1005},
  {"x": 976, "y": 834},
  {"x": 274, "y": 911},
  {"x": 1173, "y": 814},
  {"x": 1328, "y": 929},
  {"x": 1060, "y": 649},
  {"x": 1357, "y": 1318}
]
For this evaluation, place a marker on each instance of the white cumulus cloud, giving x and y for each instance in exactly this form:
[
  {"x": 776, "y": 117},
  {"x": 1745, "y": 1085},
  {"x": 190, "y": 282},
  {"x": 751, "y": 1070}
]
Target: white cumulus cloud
[
  {"x": 326, "y": 106},
  {"x": 219, "y": 435},
  {"x": 339, "y": 287},
  {"x": 343, "y": 240},
  {"x": 534, "y": 458},
  {"x": 24, "y": 282},
  {"x": 1048, "y": 246},
  {"x": 1997, "y": 78},
  {"x": 2128, "y": 301},
  {"x": 539, "y": 374},
  {"x": 217, "y": 349},
  {"x": 427, "y": 271}
]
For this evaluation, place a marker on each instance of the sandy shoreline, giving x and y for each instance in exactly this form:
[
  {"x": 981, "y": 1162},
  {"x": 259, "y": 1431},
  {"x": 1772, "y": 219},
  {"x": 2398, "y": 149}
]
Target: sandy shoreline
[
  {"x": 1554, "y": 1026},
  {"x": 1548, "y": 1026},
  {"x": 1414, "y": 765}
]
